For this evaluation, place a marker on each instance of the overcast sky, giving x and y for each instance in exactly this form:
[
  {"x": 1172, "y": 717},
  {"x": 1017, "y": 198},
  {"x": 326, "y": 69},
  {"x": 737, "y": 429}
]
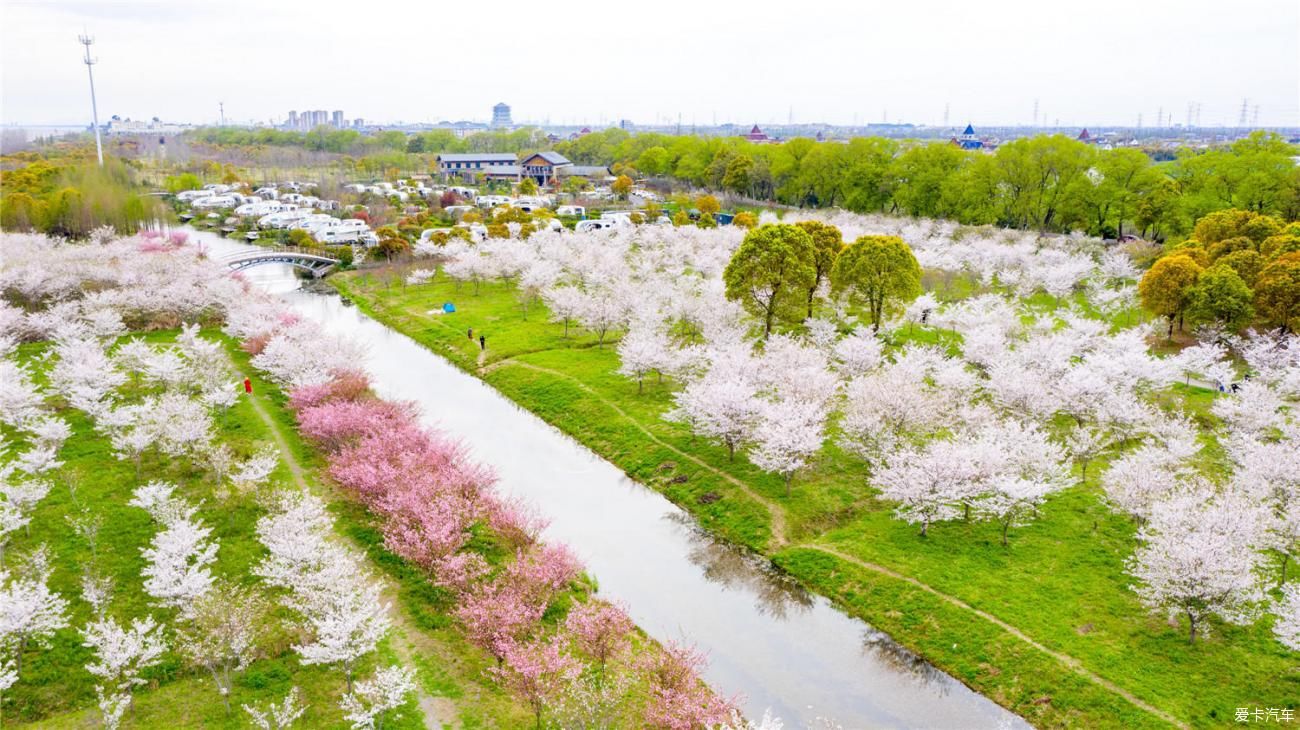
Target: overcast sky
[{"x": 1091, "y": 62}]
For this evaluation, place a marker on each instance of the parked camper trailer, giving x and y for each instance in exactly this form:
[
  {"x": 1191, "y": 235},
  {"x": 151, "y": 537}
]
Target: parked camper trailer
[{"x": 601, "y": 224}]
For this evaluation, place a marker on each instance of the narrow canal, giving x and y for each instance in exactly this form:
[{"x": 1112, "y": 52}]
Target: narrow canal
[{"x": 769, "y": 642}]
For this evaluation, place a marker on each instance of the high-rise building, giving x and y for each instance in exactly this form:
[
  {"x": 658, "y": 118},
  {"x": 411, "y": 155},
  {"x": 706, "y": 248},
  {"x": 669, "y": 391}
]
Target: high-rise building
[
  {"x": 501, "y": 116},
  {"x": 338, "y": 118},
  {"x": 358, "y": 122},
  {"x": 293, "y": 120}
]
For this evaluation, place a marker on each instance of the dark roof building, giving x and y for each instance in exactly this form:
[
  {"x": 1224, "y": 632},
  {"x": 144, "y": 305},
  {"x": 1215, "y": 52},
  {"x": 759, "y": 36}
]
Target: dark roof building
[
  {"x": 544, "y": 167},
  {"x": 466, "y": 165}
]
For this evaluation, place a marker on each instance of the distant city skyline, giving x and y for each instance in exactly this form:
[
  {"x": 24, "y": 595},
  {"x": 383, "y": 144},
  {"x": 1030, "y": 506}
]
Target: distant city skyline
[{"x": 1005, "y": 63}]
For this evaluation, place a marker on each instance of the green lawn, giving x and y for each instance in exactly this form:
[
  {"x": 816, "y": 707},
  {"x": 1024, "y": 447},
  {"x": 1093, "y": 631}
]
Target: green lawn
[
  {"x": 54, "y": 689},
  {"x": 1061, "y": 581}
]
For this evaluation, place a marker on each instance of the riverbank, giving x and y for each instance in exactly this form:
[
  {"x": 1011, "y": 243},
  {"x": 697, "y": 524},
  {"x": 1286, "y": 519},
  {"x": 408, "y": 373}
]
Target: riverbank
[
  {"x": 56, "y": 692},
  {"x": 1046, "y": 627}
]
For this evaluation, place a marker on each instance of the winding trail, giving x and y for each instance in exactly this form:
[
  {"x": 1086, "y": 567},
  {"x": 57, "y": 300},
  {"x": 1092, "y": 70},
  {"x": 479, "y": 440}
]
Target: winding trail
[
  {"x": 1063, "y": 658},
  {"x": 439, "y": 712},
  {"x": 775, "y": 511}
]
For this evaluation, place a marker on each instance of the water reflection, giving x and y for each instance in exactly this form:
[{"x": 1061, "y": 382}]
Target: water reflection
[
  {"x": 776, "y": 594},
  {"x": 883, "y": 648}
]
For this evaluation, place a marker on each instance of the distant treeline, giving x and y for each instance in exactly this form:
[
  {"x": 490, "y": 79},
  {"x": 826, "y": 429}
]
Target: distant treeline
[
  {"x": 353, "y": 142},
  {"x": 66, "y": 193},
  {"x": 1052, "y": 183}
]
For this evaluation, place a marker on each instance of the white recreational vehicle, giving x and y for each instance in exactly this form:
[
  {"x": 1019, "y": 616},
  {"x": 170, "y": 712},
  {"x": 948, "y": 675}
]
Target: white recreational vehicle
[
  {"x": 215, "y": 201},
  {"x": 602, "y": 224},
  {"x": 284, "y": 218}
]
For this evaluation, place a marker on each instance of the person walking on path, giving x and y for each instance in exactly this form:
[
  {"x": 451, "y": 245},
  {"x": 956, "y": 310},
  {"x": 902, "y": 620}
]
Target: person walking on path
[
  {"x": 471, "y": 333},
  {"x": 482, "y": 342},
  {"x": 248, "y": 386}
]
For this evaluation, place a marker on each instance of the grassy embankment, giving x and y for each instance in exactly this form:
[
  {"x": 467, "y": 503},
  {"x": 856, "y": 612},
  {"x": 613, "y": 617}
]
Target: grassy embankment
[
  {"x": 55, "y": 691},
  {"x": 1048, "y": 626}
]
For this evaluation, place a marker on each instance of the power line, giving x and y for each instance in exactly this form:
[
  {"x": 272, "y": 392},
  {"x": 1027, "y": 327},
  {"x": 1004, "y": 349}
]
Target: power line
[{"x": 94, "y": 109}]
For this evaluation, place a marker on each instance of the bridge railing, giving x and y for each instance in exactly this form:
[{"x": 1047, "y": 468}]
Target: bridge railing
[{"x": 278, "y": 251}]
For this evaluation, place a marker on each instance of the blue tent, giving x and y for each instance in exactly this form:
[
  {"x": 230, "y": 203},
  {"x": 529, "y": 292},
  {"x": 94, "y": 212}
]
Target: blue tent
[{"x": 448, "y": 307}]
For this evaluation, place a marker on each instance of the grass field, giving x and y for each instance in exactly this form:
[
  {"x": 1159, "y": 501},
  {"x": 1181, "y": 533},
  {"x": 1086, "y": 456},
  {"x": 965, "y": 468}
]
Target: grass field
[
  {"x": 55, "y": 691},
  {"x": 1048, "y": 626}
]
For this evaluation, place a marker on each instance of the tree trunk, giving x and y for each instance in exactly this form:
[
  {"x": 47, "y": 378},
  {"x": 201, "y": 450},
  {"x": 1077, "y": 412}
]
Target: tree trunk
[
  {"x": 1191, "y": 620},
  {"x": 1006, "y": 525},
  {"x": 788, "y": 477}
]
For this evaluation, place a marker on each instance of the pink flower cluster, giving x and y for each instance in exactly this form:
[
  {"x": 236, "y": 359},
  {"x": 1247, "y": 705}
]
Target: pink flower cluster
[
  {"x": 155, "y": 241},
  {"x": 432, "y": 501}
]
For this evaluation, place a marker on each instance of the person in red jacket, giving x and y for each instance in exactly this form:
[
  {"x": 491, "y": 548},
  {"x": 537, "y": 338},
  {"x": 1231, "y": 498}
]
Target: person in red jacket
[{"x": 248, "y": 386}]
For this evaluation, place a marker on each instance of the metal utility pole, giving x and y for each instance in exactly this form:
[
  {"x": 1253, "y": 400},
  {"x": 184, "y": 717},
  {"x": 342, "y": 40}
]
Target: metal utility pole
[
  {"x": 94, "y": 110},
  {"x": 1241, "y": 121},
  {"x": 221, "y": 105}
]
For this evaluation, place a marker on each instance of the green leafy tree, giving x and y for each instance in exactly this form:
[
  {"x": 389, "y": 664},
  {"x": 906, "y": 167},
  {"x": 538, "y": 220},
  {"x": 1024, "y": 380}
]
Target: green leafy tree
[
  {"x": 1222, "y": 297},
  {"x": 879, "y": 272},
  {"x": 527, "y": 186},
  {"x": 770, "y": 273},
  {"x": 576, "y": 184},
  {"x": 301, "y": 238},
  {"x": 1165, "y": 289},
  {"x": 707, "y": 221},
  {"x": 182, "y": 182},
  {"x": 681, "y": 218},
  {"x": 827, "y": 244}
]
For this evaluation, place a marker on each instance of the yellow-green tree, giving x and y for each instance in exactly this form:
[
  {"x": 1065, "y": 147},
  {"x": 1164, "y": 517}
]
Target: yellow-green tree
[
  {"x": 827, "y": 244},
  {"x": 1247, "y": 264},
  {"x": 878, "y": 272},
  {"x": 1277, "y": 292},
  {"x": 622, "y": 186},
  {"x": 707, "y": 205},
  {"x": 744, "y": 219},
  {"x": 1166, "y": 287},
  {"x": 1222, "y": 297},
  {"x": 681, "y": 218},
  {"x": 527, "y": 186},
  {"x": 391, "y": 243},
  {"x": 770, "y": 273}
]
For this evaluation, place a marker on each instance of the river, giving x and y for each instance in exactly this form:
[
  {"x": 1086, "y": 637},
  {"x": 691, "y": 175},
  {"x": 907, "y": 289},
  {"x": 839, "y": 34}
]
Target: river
[{"x": 770, "y": 643}]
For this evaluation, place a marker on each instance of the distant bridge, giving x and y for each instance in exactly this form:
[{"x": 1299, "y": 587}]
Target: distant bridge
[{"x": 301, "y": 258}]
